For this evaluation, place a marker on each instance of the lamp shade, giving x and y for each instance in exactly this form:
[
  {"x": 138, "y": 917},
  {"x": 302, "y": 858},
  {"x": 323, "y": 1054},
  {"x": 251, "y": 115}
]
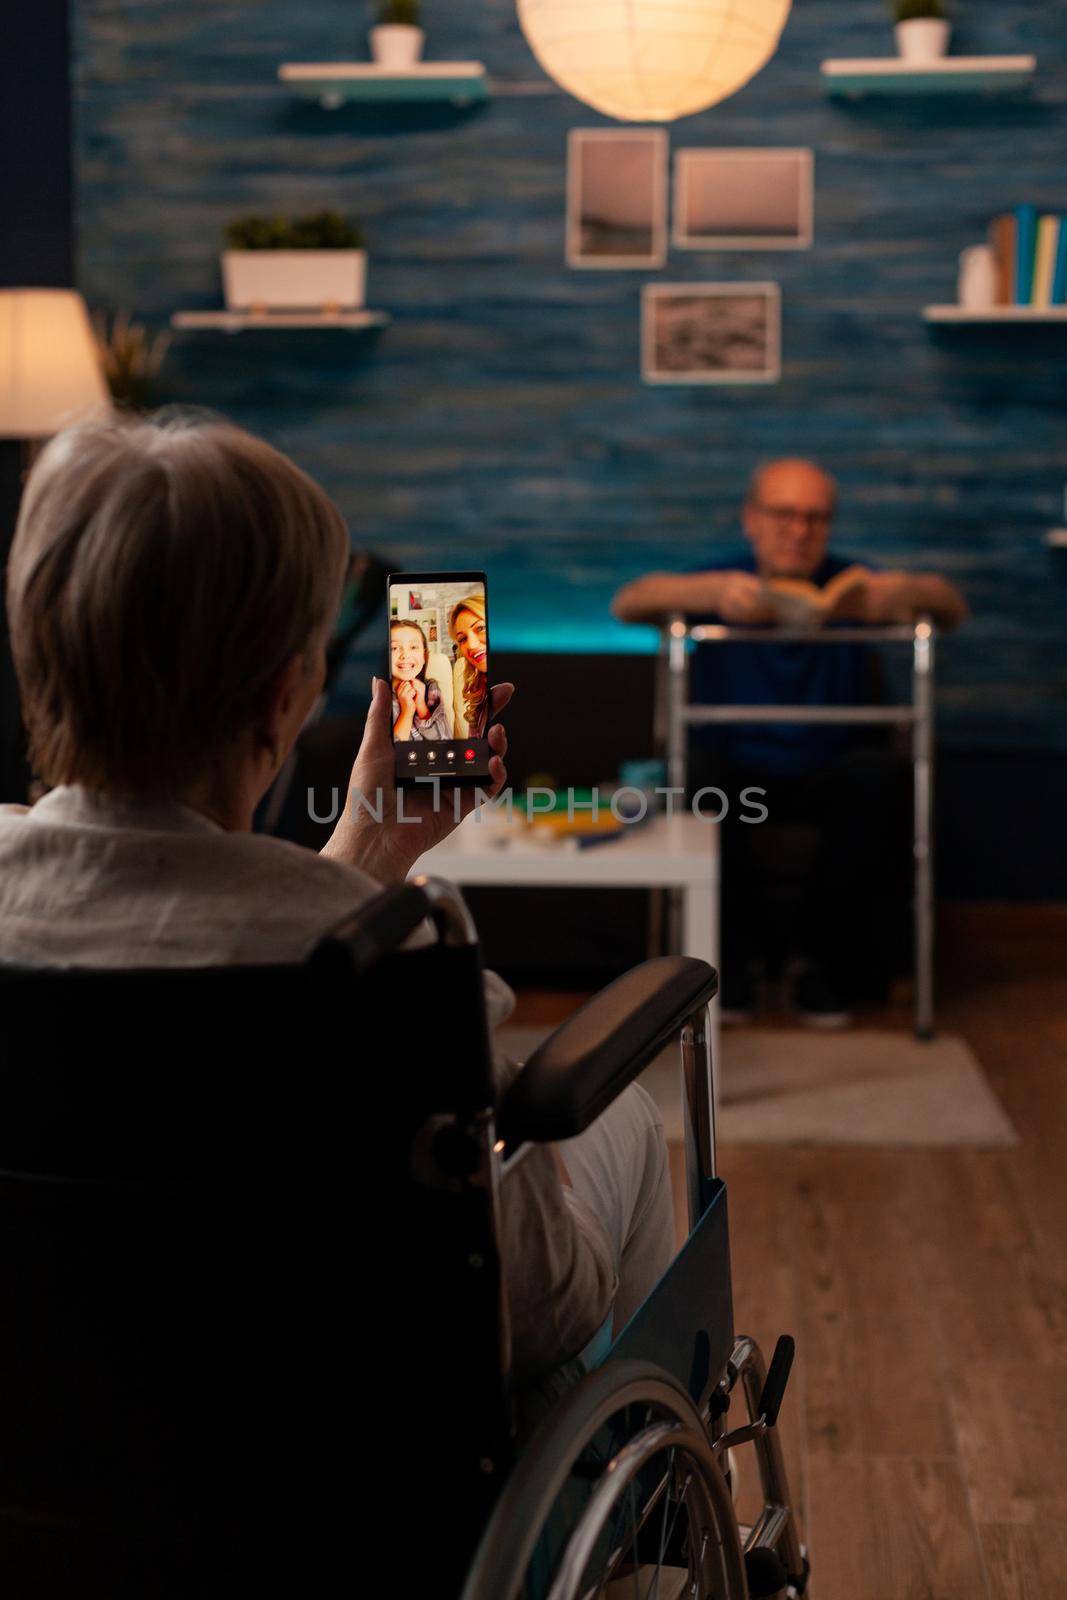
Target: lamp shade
[
  {"x": 652, "y": 60},
  {"x": 49, "y": 372}
]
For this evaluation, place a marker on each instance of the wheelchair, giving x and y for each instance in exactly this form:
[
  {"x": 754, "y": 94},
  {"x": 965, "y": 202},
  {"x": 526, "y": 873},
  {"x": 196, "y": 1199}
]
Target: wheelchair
[{"x": 254, "y": 1326}]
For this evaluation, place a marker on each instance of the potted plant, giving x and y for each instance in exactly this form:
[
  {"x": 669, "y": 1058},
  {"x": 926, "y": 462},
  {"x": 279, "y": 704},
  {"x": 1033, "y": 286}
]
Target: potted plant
[
  {"x": 397, "y": 41},
  {"x": 922, "y": 29},
  {"x": 307, "y": 263},
  {"x": 131, "y": 358}
]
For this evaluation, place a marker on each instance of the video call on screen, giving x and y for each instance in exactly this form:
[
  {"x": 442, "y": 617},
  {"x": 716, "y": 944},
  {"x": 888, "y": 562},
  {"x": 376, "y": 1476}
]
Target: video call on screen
[{"x": 439, "y": 673}]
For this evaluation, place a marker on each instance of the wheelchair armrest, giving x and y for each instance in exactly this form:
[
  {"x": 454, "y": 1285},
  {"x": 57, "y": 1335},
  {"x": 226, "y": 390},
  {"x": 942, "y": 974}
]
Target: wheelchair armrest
[{"x": 579, "y": 1070}]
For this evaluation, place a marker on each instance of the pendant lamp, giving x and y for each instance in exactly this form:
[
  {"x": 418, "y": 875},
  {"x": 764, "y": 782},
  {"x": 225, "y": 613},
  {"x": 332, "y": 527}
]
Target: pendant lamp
[{"x": 652, "y": 60}]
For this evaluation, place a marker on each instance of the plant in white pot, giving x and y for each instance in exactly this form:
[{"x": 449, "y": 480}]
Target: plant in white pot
[
  {"x": 313, "y": 263},
  {"x": 397, "y": 40},
  {"x": 922, "y": 29}
]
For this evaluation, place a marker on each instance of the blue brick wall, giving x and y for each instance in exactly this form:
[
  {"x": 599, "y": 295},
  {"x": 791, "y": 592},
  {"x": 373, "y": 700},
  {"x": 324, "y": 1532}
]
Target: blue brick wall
[{"x": 501, "y": 421}]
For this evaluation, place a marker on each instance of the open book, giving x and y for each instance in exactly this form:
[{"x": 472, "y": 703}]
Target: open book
[{"x": 800, "y": 604}]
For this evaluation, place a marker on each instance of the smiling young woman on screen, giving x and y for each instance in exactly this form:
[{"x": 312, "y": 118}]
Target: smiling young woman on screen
[{"x": 468, "y": 629}]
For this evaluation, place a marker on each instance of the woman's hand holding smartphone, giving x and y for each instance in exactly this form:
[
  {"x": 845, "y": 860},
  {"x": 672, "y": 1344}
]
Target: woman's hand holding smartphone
[
  {"x": 437, "y": 699},
  {"x": 388, "y": 849}
]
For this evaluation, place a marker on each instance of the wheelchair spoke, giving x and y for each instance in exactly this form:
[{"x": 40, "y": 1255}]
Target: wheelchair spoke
[
  {"x": 653, "y": 1588},
  {"x": 597, "y": 1455},
  {"x": 633, "y": 1541},
  {"x": 616, "y": 1546},
  {"x": 670, "y": 1531},
  {"x": 620, "y": 1555}
]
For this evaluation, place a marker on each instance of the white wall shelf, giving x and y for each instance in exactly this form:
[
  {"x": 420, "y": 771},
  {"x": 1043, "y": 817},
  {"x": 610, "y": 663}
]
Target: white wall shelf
[
  {"x": 238, "y": 321},
  {"x": 949, "y": 75},
  {"x": 993, "y": 314},
  {"x": 337, "y": 83}
]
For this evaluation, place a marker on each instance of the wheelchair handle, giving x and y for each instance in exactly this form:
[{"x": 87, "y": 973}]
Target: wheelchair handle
[{"x": 357, "y": 944}]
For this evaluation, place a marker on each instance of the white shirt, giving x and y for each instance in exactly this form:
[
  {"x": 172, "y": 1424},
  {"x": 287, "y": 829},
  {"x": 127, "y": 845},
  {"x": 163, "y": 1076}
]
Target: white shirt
[{"x": 90, "y": 880}]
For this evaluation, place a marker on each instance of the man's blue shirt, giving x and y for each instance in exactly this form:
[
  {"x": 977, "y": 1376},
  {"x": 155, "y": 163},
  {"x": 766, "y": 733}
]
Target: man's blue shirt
[{"x": 779, "y": 674}]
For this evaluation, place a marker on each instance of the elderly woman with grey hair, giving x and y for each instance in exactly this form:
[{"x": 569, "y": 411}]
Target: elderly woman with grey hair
[{"x": 171, "y": 590}]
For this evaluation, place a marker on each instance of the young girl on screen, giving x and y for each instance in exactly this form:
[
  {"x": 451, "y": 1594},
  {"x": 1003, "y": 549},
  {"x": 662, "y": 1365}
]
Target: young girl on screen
[
  {"x": 418, "y": 709},
  {"x": 467, "y": 627}
]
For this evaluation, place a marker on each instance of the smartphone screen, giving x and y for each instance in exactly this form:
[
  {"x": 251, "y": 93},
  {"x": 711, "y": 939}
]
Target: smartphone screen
[{"x": 439, "y": 675}]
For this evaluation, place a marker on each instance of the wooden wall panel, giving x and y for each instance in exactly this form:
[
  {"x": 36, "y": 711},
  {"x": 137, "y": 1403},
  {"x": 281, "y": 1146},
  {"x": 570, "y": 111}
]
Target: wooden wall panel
[{"x": 501, "y": 419}]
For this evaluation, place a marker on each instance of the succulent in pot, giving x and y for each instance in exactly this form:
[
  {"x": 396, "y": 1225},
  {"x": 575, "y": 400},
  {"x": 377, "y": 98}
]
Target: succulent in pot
[
  {"x": 309, "y": 263},
  {"x": 922, "y": 29},
  {"x": 397, "y": 40}
]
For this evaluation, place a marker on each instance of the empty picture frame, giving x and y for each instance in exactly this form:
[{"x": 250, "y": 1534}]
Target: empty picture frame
[
  {"x": 617, "y": 197},
  {"x": 711, "y": 333},
  {"x": 744, "y": 199}
]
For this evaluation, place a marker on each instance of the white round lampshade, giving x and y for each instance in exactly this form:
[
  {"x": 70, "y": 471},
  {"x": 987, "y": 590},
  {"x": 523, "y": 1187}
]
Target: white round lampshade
[
  {"x": 49, "y": 371},
  {"x": 652, "y": 60}
]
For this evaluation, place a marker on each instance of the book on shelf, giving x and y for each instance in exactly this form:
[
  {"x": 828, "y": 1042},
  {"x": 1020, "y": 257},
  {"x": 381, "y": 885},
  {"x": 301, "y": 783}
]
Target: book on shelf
[
  {"x": 1002, "y": 244},
  {"x": 1025, "y": 248},
  {"x": 1048, "y": 229},
  {"x": 1030, "y": 255},
  {"x": 1059, "y": 266}
]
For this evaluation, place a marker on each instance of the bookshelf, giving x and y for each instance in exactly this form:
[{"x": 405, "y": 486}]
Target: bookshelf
[
  {"x": 890, "y": 75},
  {"x": 994, "y": 314},
  {"x": 269, "y": 321},
  {"x": 337, "y": 83}
]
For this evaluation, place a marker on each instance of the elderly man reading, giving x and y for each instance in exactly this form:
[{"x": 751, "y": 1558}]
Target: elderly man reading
[{"x": 840, "y": 780}]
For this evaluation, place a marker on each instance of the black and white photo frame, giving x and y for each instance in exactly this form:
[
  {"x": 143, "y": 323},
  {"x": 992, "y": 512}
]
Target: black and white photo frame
[{"x": 711, "y": 333}]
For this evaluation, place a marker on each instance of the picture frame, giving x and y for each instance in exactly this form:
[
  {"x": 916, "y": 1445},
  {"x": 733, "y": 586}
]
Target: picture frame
[
  {"x": 617, "y": 191},
  {"x": 711, "y": 333},
  {"x": 744, "y": 199}
]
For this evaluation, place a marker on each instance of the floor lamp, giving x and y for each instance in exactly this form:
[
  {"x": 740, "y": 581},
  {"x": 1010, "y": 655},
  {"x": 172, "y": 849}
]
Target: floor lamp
[{"x": 50, "y": 375}]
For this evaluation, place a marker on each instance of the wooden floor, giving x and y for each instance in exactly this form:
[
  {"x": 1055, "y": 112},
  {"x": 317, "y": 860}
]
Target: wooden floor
[{"x": 926, "y": 1426}]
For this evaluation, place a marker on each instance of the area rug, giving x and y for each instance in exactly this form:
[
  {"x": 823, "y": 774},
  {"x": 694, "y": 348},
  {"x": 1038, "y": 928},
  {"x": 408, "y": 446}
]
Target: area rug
[{"x": 793, "y": 1086}]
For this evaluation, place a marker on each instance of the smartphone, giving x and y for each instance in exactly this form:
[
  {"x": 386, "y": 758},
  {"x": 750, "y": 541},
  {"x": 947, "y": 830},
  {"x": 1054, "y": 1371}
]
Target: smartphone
[{"x": 439, "y": 675}]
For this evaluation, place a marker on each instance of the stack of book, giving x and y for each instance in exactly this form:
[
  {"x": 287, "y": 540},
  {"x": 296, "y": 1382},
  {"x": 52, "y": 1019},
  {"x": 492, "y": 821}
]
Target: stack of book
[{"x": 1031, "y": 256}]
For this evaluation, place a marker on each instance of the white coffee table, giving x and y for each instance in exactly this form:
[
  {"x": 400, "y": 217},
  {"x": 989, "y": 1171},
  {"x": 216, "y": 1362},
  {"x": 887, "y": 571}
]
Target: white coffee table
[{"x": 679, "y": 852}]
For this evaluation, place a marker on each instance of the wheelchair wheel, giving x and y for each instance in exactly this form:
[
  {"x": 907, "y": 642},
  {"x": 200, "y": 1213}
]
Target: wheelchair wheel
[{"x": 617, "y": 1493}]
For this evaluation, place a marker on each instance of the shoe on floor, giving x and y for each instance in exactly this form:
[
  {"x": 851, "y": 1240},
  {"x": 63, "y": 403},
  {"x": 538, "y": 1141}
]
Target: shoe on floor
[{"x": 817, "y": 1003}]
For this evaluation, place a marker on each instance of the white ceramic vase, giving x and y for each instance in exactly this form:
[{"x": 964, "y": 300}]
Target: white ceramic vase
[
  {"x": 396, "y": 45},
  {"x": 977, "y": 284},
  {"x": 294, "y": 280},
  {"x": 922, "y": 38}
]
